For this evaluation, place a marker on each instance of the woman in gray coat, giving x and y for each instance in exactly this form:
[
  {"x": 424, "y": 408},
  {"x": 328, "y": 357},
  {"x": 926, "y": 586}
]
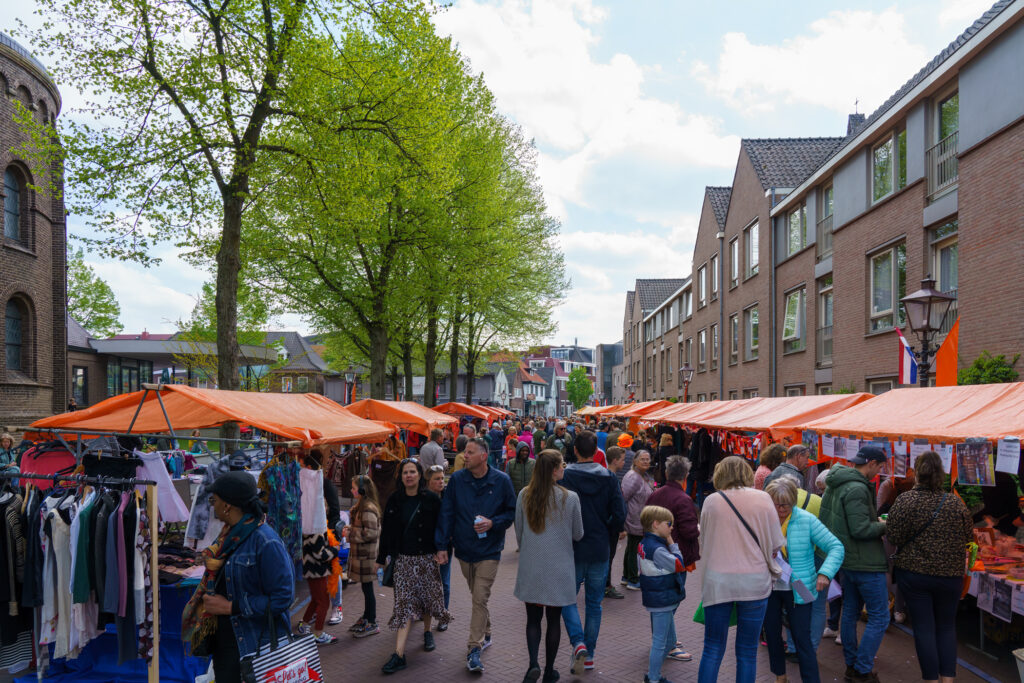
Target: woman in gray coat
[{"x": 548, "y": 520}]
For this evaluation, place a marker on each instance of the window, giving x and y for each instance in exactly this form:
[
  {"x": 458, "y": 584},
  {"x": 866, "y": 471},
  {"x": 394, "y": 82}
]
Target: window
[
  {"x": 750, "y": 393},
  {"x": 714, "y": 346},
  {"x": 714, "y": 277},
  {"x": 734, "y": 262},
  {"x": 702, "y": 349},
  {"x": 795, "y": 391},
  {"x": 12, "y": 205},
  {"x": 888, "y": 286},
  {"x": 824, "y": 389},
  {"x": 302, "y": 382},
  {"x": 946, "y": 256},
  {"x": 688, "y": 303},
  {"x": 796, "y": 230},
  {"x": 889, "y": 165},
  {"x": 518, "y": 392},
  {"x": 751, "y": 332},
  {"x": 734, "y": 339},
  {"x": 793, "y": 337},
  {"x": 713, "y": 396},
  {"x": 827, "y": 201},
  {"x": 14, "y": 336},
  {"x": 702, "y": 294},
  {"x": 667, "y": 362},
  {"x": 750, "y": 243},
  {"x": 877, "y": 387},
  {"x": 949, "y": 116},
  {"x": 825, "y": 311},
  {"x": 113, "y": 376},
  {"x": 689, "y": 351},
  {"x": 79, "y": 384},
  {"x": 286, "y": 385},
  {"x": 701, "y": 398},
  {"x": 733, "y": 395}
]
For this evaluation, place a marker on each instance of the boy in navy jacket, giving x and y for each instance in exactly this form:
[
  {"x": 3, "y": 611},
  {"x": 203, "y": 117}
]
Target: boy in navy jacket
[{"x": 663, "y": 586}]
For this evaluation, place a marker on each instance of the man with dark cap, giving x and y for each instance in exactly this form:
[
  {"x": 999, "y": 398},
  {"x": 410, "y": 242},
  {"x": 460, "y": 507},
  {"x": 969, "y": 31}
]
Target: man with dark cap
[
  {"x": 848, "y": 510},
  {"x": 248, "y": 577}
]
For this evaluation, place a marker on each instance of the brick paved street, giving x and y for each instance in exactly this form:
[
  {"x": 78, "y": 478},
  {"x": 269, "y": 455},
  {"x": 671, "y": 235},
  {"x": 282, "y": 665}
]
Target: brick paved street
[{"x": 621, "y": 652}]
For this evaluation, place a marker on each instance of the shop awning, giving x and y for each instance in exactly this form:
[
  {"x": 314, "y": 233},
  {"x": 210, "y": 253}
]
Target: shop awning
[
  {"x": 686, "y": 413},
  {"x": 780, "y": 415},
  {"x": 463, "y": 409},
  {"x": 606, "y": 410},
  {"x": 638, "y": 409},
  {"x": 403, "y": 414},
  {"x": 309, "y": 418},
  {"x": 938, "y": 414},
  {"x": 588, "y": 410}
]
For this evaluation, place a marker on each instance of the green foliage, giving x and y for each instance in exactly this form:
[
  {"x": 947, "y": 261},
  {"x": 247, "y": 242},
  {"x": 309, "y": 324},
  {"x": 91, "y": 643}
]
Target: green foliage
[
  {"x": 848, "y": 389},
  {"x": 254, "y": 315},
  {"x": 988, "y": 369},
  {"x": 91, "y": 301},
  {"x": 579, "y": 388}
]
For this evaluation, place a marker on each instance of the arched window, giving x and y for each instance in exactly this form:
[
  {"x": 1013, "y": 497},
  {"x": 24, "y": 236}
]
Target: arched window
[
  {"x": 14, "y": 322},
  {"x": 12, "y": 205}
]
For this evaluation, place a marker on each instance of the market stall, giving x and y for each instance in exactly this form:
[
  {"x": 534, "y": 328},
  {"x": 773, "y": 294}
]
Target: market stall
[
  {"x": 465, "y": 410},
  {"x": 406, "y": 415}
]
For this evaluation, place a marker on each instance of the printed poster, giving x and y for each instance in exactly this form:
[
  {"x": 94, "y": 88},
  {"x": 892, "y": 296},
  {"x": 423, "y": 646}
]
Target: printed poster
[
  {"x": 986, "y": 592},
  {"x": 918, "y": 448},
  {"x": 1008, "y": 455},
  {"x": 1002, "y": 600},
  {"x": 1017, "y": 604},
  {"x": 852, "y": 446},
  {"x": 828, "y": 446},
  {"x": 946, "y": 454},
  {"x": 900, "y": 459},
  {"x": 974, "y": 463},
  {"x": 810, "y": 440},
  {"x": 839, "y": 447}
]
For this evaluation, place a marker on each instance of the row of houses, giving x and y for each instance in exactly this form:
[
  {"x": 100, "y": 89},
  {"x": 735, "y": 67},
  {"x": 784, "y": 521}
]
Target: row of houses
[{"x": 799, "y": 266}]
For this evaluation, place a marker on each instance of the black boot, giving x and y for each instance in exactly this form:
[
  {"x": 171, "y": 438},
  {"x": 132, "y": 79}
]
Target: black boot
[{"x": 394, "y": 664}]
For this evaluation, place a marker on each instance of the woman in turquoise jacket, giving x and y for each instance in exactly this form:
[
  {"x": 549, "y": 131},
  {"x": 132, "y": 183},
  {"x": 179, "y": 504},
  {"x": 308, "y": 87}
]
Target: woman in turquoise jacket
[{"x": 796, "y": 595}]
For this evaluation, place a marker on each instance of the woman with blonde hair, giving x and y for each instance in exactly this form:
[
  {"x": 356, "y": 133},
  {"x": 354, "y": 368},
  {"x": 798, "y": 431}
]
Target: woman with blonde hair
[
  {"x": 363, "y": 536},
  {"x": 8, "y": 454},
  {"x": 740, "y": 534},
  {"x": 548, "y": 520}
]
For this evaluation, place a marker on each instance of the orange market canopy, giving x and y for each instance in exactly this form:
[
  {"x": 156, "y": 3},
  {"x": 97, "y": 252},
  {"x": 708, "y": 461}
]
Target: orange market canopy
[
  {"x": 588, "y": 410},
  {"x": 607, "y": 410},
  {"x": 455, "y": 408},
  {"x": 989, "y": 411},
  {"x": 403, "y": 414},
  {"x": 639, "y": 409},
  {"x": 309, "y": 418}
]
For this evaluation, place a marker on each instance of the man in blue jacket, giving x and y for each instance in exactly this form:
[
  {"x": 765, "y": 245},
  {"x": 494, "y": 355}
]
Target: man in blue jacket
[
  {"x": 497, "y": 438},
  {"x": 478, "y": 506},
  {"x": 604, "y": 515}
]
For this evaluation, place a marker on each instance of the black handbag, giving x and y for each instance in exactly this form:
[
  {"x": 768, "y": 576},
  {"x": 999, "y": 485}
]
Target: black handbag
[{"x": 296, "y": 659}]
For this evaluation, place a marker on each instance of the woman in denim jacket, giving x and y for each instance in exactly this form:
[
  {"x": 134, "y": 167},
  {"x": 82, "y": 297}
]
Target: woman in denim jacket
[{"x": 248, "y": 576}]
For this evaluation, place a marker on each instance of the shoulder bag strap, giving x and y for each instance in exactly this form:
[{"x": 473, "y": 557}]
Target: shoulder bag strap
[
  {"x": 807, "y": 499},
  {"x": 752, "y": 534},
  {"x": 927, "y": 524}
]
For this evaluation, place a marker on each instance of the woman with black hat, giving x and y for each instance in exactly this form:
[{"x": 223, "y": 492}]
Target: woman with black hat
[{"x": 248, "y": 577}]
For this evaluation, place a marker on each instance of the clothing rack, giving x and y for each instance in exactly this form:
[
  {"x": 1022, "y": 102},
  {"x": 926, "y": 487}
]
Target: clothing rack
[{"x": 152, "y": 511}]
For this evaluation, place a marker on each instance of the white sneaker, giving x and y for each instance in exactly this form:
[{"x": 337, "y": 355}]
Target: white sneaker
[
  {"x": 829, "y": 633},
  {"x": 303, "y": 629},
  {"x": 839, "y": 640},
  {"x": 899, "y": 617},
  {"x": 335, "y": 617}
]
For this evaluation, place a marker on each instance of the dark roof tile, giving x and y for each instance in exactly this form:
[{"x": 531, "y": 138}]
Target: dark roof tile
[
  {"x": 653, "y": 292},
  {"x": 719, "y": 198},
  {"x": 785, "y": 162}
]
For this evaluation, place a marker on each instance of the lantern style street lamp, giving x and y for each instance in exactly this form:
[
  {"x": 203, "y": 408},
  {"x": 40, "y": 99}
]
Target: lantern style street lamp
[
  {"x": 926, "y": 310},
  {"x": 686, "y": 374},
  {"x": 350, "y": 378}
]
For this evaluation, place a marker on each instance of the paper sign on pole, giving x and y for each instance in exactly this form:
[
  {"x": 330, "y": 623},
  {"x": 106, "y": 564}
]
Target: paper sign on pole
[
  {"x": 946, "y": 453},
  {"x": 917, "y": 448},
  {"x": 899, "y": 459},
  {"x": 852, "y": 446},
  {"x": 828, "y": 446},
  {"x": 1008, "y": 455}
]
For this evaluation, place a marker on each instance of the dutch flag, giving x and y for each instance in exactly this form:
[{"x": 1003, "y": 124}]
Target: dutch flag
[{"x": 908, "y": 364}]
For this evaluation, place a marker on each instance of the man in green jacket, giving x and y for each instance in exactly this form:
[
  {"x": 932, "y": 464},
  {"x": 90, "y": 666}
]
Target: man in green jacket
[{"x": 848, "y": 510}]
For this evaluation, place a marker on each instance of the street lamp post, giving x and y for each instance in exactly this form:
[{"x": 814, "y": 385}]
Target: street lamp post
[
  {"x": 686, "y": 373},
  {"x": 631, "y": 388},
  {"x": 350, "y": 378},
  {"x": 926, "y": 310}
]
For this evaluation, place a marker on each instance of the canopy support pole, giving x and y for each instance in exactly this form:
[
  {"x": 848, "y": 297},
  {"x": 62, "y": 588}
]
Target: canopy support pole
[{"x": 139, "y": 408}]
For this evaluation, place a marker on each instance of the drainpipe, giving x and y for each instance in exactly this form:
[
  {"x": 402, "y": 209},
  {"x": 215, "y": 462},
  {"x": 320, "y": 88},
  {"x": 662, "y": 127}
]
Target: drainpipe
[
  {"x": 771, "y": 293},
  {"x": 721, "y": 314}
]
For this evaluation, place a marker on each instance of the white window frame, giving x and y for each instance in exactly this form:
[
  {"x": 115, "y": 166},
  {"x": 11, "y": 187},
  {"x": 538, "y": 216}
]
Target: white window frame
[
  {"x": 942, "y": 237},
  {"x": 828, "y": 201},
  {"x": 894, "y": 313},
  {"x": 898, "y": 164},
  {"x": 793, "y": 328},
  {"x": 734, "y": 338},
  {"x": 702, "y": 291},
  {"x": 824, "y": 389},
  {"x": 702, "y": 350},
  {"x": 880, "y": 386},
  {"x": 799, "y": 390},
  {"x": 713, "y": 268},
  {"x": 752, "y": 247},
  {"x": 796, "y": 230},
  {"x": 752, "y": 350},
  {"x": 734, "y": 261},
  {"x": 714, "y": 346},
  {"x": 701, "y": 398},
  {"x": 733, "y": 395}
]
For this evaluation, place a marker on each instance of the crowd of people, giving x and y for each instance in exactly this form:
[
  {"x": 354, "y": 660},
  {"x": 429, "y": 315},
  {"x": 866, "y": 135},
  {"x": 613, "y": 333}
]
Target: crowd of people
[{"x": 776, "y": 543}]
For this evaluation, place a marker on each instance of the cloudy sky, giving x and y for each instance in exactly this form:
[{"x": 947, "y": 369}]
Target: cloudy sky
[{"x": 636, "y": 106}]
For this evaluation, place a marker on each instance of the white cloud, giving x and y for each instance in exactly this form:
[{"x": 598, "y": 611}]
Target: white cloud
[
  {"x": 845, "y": 56},
  {"x": 961, "y": 13},
  {"x": 151, "y": 298},
  {"x": 537, "y": 58}
]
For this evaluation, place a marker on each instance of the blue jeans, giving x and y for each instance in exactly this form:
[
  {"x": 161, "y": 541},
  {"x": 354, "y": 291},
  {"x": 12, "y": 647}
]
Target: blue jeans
[
  {"x": 750, "y": 616},
  {"x": 799, "y": 628},
  {"x": 591, "y": 575},
  {"x": 860, "y": 589},
  {"x": 663, "y": 639},
  {"x": 446, "y": 580}
]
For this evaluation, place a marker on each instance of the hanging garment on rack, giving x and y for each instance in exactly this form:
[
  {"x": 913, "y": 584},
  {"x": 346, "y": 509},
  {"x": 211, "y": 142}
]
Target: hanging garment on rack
[
  {"x": 32, "y": 591},
  {"x": 106, "y": 505},
  {"x": 127, "y": 641},
  {"x": 280, "y": 482},
  {"x": 47, "y": 458},
  {"x": 200, "y": 516},
  {"x": 85, "y": 612},
  {"x": 145, "y": 599},
  {"x": 15, "y": 621},
  {"x": 172, "y": 507},
  {"x": 314, "y": 508},
  {"x": 57, "y": 577}
]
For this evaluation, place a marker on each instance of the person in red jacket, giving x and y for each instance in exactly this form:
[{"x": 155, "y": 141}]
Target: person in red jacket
[{"x": 672, "y": 495}]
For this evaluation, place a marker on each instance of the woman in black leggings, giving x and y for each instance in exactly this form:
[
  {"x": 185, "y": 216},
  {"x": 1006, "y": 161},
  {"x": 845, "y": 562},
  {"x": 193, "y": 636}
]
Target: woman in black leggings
[{"x": 363, "y": 536}]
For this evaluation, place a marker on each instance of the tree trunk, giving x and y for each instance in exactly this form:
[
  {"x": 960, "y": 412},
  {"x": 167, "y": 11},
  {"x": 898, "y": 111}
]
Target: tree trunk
[
  {"x": 394, "y": 383},
  {"x": 453, "y": 365},
  {"x": 470, "y": 379},
  {"x": 410, "y": 394},
  {"x": 430, "y": 359},
  {"x": 226, "y": 303},
  {"x": 378, "y": 360}
]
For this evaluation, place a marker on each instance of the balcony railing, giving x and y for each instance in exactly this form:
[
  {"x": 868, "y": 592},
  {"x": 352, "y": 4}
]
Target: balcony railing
[
  {"x": 942, "y": 166},
  {"x": 823, "y": 241},
  {"x": 823, "y": 340},
  {"x": 951, "y": 316}
]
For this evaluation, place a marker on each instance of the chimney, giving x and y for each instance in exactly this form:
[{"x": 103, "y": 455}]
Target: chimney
[
  {"x": 145, "y": 334},
  {"x": 854, "y": 123}
]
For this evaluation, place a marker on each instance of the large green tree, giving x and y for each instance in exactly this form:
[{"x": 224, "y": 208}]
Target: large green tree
[
  {"x": 91, "y": 301},
  {"x": 579, "y": 387}
]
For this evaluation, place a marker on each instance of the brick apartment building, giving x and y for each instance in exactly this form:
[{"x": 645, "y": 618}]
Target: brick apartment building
[
  {"x": 799, "y": 266},
  {"x": 33, "y": 381}
]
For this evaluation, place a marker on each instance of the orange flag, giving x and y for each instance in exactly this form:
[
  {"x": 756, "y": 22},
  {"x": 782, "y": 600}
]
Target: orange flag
[{"x": 945, "y": 358}]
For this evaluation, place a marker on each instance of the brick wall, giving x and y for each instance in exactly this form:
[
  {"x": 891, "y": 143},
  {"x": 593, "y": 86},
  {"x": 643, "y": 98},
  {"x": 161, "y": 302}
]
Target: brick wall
[{"x": 32, "y": 269}]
